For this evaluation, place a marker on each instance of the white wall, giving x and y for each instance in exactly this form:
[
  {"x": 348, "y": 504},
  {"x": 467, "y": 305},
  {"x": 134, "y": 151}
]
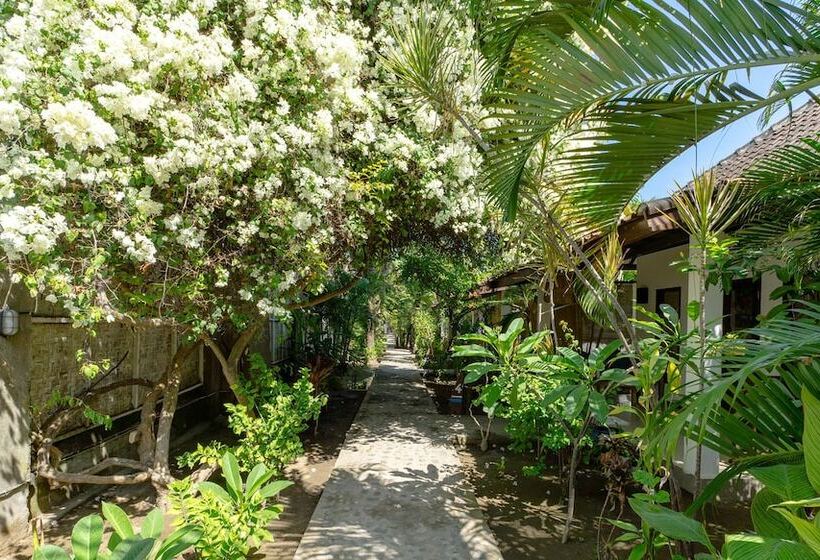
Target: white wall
[
  {"x": 768, "y": 283},
  {"x": 655, "y": 273}
]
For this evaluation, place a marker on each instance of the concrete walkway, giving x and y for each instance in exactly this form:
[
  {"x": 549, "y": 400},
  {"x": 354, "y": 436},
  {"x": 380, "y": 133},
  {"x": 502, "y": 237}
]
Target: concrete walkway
[{"x": 397, "y": 491}]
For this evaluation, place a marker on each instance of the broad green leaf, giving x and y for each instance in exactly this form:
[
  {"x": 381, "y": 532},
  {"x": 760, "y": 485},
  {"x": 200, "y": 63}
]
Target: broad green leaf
[
  {"x": 598, "y": 406},
  {"x": 693, "y": 310},
  {"x": 767, "y": 522},
  {"x": 617, "y": 375},
  {"x": 477, "y": 371},
  {"x": 808, "y": 531},
  {"x": 572, "y": 357},
  {"x": 811, "y": 503},
  {"x": 472, "y": 351},
  {"x": 513, "y": 330},
  {"x": 670, "y": 523},
  {"x": 490, "y": 395},
  {"x": 754, "y": 547},
  {"x": 50, "y": 552},
  {"x": 811, "y": 437},
  {"x": 118, "y": 519},
  {"x": 624, "y": 525},
  {"x": 272, "y": 489},
  {"x": 669, "y": 313},
  {"x": 788, "y": 481},
  {"x": 556, "y": 394},
  {"x": 133, "y": 548},
  {"x": 258, "y": 476},
  {"x": 601, "y": 355},
  {"x": 575, "y": 402},
  {"x": 475, "y": 337},
  {"x": 113, "y": 540},
  {"x": 638, "y": 552},
  {"x": 230, "y": 471},
  {"x": 86, "y": 537},
  {"x": 528, "y": 344},
  {"x": 153, "y": 524},
  {"x": 215, "y": 490},
  {"x": 472, "y": 377},
  {"x": 178, "y": 542}
]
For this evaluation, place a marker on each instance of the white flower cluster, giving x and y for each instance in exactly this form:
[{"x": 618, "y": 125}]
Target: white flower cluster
[
  {"x": 27, "y": 230},
  {"x": 76, "y": 124},
  {"x": 246, "y": 146}
]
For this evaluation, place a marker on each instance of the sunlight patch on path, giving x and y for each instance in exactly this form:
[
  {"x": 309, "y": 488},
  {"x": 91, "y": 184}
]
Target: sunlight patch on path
[{"x": 397, "y": 491}]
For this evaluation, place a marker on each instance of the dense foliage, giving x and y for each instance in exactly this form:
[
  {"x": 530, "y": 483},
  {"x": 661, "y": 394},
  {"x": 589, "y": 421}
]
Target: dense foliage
[
  {"x": 233, "y": 520},
  {"x": 268, "y": 428}
]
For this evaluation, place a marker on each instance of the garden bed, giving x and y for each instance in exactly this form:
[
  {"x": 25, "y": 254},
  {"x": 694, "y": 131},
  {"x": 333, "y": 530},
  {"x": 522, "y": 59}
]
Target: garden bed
[
  {"x": 310, "y": 473},
  {"x": 526, "y": 513}
]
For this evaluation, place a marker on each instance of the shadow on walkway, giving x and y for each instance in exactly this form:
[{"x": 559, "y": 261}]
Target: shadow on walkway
[{"x": 397, "y": 490}]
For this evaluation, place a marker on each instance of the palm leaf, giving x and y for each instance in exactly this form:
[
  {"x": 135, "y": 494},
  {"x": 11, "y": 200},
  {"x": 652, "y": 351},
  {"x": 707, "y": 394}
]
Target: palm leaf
[
  {"x": 786, "y": 222},
  {"x": 635, "y": 89}
]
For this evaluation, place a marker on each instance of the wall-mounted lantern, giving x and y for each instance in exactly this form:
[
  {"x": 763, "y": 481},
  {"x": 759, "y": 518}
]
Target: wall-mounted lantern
[{"x": 9, "y": 322}]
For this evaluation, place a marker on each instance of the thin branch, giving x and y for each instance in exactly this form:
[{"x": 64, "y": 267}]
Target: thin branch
[{"x": 327, "y": 296}]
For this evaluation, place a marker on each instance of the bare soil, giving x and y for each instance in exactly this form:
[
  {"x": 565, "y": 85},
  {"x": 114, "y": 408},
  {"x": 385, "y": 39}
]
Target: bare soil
[
  {"x": 527, "y": 513},
  {"x": 309, "y": 473}
]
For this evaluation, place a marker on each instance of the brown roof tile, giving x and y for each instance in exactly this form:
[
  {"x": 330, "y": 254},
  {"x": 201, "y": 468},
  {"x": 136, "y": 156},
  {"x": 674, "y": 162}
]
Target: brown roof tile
[{"x": 804, "y": 122}]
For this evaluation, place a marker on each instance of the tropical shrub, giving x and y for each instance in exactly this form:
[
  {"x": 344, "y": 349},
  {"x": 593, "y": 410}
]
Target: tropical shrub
[
  {"x": 530, "y": 424},
  {"x": 579, "y": 389},
  {"x": 233, "y": 520},
  {"x": 503, "y": 360},
  {"x": 124, "y": 541},
  {"x": 783, "y": 510},
  {"x": 269, "y": 426}
]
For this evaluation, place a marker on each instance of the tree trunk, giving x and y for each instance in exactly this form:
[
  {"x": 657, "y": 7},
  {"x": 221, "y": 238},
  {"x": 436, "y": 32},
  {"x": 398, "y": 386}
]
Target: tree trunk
[
  {"x": 573, "y": 467},
  {"x": 230, "y": 363},
  {"x": 161, "y": 472}
]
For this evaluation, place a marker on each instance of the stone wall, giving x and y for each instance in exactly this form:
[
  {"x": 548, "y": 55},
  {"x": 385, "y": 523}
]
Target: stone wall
[
  {"x": 41, "y": 361},
  {"x": 144, "y": 353}
]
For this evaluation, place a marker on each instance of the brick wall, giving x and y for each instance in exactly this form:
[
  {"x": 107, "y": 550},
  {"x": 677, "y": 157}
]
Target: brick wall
[{"x": 54, "y": 366}]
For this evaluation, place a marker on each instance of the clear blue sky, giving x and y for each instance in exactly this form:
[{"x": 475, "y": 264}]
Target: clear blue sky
[{"x": 712, "y": 149}]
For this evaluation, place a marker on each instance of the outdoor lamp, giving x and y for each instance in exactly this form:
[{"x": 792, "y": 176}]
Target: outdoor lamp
[{"x": 9, "y": 322}]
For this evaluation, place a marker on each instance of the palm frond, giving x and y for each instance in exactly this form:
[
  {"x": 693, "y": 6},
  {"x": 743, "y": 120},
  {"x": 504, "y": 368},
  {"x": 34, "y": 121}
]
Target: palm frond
[
  {"x": 795, "y": 74},
  {"x": 786, "y": 221},
  {"x": 607, "y": 260},
  {"x": 753, "y": 407},
  {"x": 423, "y": 59},
  {"x": 636, "y": 88},
  {"x": 708, "y": 209},
  {"x": 504, "y": 22}
]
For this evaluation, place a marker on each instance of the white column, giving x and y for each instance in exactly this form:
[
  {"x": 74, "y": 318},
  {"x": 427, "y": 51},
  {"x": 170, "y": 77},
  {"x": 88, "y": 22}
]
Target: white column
[
  {"x": 710, "y": 460},
  {"x": 768, "y": 283}
]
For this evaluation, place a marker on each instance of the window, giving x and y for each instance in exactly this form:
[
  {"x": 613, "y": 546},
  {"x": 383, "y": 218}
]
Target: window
[{"x": 741, "y": 306}]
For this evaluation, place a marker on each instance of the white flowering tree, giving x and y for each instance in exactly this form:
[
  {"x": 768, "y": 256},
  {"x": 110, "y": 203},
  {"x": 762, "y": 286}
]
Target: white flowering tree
[{"x": 205, "y": 164}]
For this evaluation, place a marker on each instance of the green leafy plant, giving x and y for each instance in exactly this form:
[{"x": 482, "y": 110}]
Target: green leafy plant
[
  {"x": 580, "y": 386},
  {"x": 583, "y": 388},
  {"x": 783, "y": 511},
  {"x": 270, "y": 434},
  {"x": 502, "y": 358},
  {"x": 233, "y": 520},
  {"x": 124, "y": 542}
]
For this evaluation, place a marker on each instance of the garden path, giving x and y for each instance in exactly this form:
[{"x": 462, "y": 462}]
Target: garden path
[{"x": 397, "y": 491}]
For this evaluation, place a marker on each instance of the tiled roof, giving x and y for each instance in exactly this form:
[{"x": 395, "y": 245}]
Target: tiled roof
[{"x": 804, "y": 122}]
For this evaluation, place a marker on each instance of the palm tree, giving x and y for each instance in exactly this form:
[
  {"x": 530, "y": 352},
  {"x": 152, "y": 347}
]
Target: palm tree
[{"x": 632, "y": 88}]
